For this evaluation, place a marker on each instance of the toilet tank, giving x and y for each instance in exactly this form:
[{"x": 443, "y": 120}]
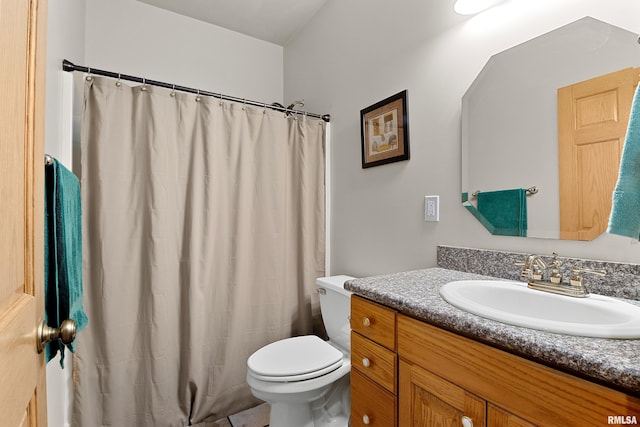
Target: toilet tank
[{"x": 335, "y": 306}]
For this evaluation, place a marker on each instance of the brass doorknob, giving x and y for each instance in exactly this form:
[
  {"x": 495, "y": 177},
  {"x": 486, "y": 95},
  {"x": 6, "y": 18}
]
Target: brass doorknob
[{"x": 65, "y": 333}]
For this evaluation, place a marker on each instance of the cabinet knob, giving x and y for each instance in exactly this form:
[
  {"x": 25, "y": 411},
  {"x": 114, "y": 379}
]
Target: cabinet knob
[
  {"x": 467, "y": 422},
  {"x": 366, "y": 322},
  {"x": 365, "y": 419},
  {"x": 366, "y": 362}
]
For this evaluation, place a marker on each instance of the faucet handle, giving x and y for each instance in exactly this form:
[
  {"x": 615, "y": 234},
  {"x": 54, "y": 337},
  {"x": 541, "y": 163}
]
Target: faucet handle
[
  {"x": 578, "y": 270},
  {"x": 532, "y": 267},
  {"x": 576, "y": 276},
  {"x": 538, "y": 267},
  {"x": 525, "y": 274},
  {"x": 522, "y": 262}
]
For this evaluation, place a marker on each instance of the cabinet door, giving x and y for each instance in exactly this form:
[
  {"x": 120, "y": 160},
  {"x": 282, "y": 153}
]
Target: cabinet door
[
  {"x": 427, "y": 400},
  {"x": 498, "y": 417}
]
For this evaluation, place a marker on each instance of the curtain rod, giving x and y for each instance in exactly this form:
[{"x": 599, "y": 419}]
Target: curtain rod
[{"x": 69, "y": 66}]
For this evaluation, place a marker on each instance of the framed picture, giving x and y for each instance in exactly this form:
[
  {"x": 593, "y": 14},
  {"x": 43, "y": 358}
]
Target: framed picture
[{"x": 385, "y": 131}]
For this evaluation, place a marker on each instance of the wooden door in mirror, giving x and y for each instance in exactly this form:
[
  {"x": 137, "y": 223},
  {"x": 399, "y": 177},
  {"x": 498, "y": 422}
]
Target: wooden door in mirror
[{"x": 592, "y": 124}]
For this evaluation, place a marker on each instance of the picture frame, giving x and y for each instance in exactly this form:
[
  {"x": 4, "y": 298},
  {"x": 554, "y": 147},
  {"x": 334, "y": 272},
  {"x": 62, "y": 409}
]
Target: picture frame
[{"x": 385, "y": 131}]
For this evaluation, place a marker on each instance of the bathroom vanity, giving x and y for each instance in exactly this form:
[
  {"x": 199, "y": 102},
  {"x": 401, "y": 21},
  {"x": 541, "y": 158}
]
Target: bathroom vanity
[{"x": 418, "y": 361}]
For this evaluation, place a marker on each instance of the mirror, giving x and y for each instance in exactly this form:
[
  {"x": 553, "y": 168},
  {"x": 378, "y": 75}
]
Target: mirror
[{"x": 509, "y": 117}]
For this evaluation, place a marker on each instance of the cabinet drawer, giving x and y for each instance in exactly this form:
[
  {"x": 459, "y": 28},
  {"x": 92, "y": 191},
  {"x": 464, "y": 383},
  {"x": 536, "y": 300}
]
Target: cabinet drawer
[
  {"x": 374, "y": 361},
  {"x": 374, "y": 321},
  {"x": 371, "y": 405}
]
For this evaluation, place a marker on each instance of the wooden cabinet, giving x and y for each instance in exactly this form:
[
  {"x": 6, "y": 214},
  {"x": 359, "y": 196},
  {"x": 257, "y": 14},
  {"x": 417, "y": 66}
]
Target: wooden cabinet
[
  {"x": 409, "y": 373},
  {"x": 513, "y": 391},
  {"x": 374, "y": 366}
]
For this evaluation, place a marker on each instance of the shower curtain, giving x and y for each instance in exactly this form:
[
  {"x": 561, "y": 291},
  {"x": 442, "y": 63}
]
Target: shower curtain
[{"x": 203, "y": 226}]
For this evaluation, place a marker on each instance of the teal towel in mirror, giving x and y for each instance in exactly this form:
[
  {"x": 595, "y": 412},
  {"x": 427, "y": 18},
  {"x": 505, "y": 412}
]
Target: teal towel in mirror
[
  {"x": 62, "y": 253},
  {"x": 504, "y": 212},
  {"x": 625, "y": 208}
]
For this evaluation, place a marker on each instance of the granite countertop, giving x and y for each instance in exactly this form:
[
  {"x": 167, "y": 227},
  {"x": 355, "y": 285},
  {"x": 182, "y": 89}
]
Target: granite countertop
[{"x": 612, "y": 362}]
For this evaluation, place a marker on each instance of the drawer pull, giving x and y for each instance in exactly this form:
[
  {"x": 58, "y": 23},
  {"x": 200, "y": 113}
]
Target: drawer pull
[
  {"x": 366, "y": 362},
  {"x": 365, "y": 419},
  {"x": 366, "y": 322},
  {"x": 467, "y": 422}
]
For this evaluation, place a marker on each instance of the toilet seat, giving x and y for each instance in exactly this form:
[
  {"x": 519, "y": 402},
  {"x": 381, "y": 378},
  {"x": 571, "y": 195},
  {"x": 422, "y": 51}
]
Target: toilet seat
[{"x": 294, "y": 359}]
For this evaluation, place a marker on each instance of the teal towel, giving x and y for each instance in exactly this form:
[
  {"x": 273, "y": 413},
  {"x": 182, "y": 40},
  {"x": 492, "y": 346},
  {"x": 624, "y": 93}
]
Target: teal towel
[
  {"x": 63, "y": 253},
  {"x": 625, "y": 208},
  {"x": 504, "y": 212}
]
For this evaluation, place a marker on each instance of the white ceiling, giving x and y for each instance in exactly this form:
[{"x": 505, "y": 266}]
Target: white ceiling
[{"x": 276, "y": 21}]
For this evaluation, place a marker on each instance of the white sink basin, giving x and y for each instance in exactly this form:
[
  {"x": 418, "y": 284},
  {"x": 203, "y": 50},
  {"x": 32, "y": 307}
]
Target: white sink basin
[{"x": 513, "y": 303}]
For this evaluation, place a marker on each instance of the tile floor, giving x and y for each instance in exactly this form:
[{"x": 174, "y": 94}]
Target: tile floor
[{"x": 253, "y": 417}]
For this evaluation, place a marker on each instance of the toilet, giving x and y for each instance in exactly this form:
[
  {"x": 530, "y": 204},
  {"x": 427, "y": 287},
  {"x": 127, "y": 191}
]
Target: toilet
[{"x": 306, "y": 379}]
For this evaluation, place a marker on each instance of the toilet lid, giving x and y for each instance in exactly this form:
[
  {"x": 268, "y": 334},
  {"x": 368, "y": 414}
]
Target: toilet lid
[{"x": 294, "y": 359}]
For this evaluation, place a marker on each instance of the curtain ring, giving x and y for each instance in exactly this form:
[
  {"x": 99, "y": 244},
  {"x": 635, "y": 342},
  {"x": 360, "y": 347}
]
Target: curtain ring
[
  {"x": 264, "y": 108},
  {"x": 244, "y": 104},
  {"x": 173, "y": 91},
  {"x": 144, "y": 85},
  {"x": 118, "y": 82},
  {"x": 221, "y": 103},
  {"x": 198, "y": 98},
  {"x": 89, "y": 76}
]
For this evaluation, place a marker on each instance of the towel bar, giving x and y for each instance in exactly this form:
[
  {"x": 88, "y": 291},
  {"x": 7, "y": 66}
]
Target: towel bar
[{"x": 530, "y": 191}]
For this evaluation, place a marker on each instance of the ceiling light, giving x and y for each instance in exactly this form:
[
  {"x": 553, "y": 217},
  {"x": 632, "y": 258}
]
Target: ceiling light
[{"x": 471, "y": 7}]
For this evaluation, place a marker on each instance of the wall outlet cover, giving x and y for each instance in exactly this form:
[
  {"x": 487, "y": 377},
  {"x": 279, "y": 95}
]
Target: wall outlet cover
[{"x": 432, "y": 208}]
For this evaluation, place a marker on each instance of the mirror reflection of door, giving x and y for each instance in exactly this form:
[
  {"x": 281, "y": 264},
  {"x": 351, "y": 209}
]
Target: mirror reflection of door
[{"x": 592, "y": 124}]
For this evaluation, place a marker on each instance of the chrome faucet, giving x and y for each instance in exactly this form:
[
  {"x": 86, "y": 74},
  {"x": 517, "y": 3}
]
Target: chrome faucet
[{"x": 533, "y": 272}]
